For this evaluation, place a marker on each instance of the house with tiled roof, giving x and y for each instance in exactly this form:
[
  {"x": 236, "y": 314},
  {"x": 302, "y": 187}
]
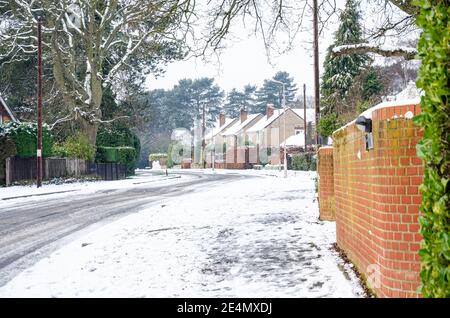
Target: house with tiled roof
[
  {"x": 234, "y": 140},
  {"x": 6, "y": 115},
  {"x": 240, "y": 144}
]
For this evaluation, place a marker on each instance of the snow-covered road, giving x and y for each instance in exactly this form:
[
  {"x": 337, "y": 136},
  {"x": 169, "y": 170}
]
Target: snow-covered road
[{"x": 257, "y": 237}]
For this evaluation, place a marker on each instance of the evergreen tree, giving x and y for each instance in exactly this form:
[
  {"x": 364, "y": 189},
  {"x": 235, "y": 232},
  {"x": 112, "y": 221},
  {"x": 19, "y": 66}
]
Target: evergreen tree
[
  {"x": 249, "y": 97},
  {"x": 371, "y": 85},
  {"x": 271, "y": 92},
  {"x": 233, "y": 103},
  {"x": 237, "y": 100},
  {"x": 206, "y": 96},
  {"x": 340, "y": 71}
]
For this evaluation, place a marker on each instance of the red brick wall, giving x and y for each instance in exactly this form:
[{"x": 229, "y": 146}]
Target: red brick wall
[
  {"x": 377, "y": 201},
  {"x": 326, "y": 183}
]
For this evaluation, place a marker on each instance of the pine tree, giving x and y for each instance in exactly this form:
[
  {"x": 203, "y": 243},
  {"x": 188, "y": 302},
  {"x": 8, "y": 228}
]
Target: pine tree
[
  {"x": 270, "y": 92},
  {"x": 371, "y": 85},
  {"x": 233, "y": 103},
  {"x": 341, "y": 70},
  {"x": 249, "y": 100},
  {"x": 237, "y": 100}
]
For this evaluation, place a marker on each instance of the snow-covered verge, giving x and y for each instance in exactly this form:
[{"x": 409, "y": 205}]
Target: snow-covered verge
[
  {"x": 30, "y": 192},
  {"x": 256, "y": 237}
]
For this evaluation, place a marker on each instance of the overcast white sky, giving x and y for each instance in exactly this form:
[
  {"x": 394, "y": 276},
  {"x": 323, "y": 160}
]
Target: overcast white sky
[{"x": 245, "y": 62}]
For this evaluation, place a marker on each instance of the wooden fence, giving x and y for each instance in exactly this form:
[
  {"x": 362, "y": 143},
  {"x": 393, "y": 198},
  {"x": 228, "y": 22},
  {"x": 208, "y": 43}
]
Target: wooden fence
[{"x": 17, "y": 169}]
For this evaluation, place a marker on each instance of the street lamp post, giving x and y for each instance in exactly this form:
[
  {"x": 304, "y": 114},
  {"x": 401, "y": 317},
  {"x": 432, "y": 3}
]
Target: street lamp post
[
  {"x": 283, "y": 104},
  {"x": 213, "y": 154}
]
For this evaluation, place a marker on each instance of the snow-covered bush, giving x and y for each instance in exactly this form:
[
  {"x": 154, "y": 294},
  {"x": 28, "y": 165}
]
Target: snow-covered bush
[
  {"x": 156, "y": 156},
  {"x": 24, "y": 136}
]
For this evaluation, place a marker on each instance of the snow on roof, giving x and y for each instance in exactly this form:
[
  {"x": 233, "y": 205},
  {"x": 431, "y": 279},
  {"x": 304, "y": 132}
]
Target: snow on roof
[
  {"x": 310, "y": 114},
  {"x": 10, "y": 113},
  {"x": 409, "y": 96},
  {"x": 238, "y": 126},
  {"x": 297, "y": 140},
  {"x": 264, "y": 121},
  {"x": 217, "y": 129}
]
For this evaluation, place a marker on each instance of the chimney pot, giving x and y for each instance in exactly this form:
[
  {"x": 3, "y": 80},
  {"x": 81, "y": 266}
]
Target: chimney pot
[
  {"x": 269, "y": 110},
  {"x": 221, "y": 119},
  {"x": 243, "y": 115}
]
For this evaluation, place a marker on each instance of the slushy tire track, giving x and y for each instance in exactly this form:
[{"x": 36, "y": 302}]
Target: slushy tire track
[{"x": 29, "y": 229}]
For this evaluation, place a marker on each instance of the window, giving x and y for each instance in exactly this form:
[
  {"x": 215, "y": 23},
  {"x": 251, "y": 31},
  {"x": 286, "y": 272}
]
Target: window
[{"x": 298, "y": 130}]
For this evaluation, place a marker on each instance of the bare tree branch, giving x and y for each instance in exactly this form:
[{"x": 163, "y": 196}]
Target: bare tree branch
[{"x": 387, "y": 51}]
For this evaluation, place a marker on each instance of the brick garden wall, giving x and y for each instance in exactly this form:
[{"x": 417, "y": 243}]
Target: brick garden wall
[
  {"x": 377, "y": 200},
  {"x": 326, "y": 183}
]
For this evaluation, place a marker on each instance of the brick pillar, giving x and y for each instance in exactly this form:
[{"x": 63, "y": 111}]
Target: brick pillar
[{"x": 326, "y": 183}]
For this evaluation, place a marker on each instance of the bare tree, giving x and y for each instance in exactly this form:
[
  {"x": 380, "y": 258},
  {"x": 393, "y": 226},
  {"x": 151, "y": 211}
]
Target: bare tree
[
  {"x": 83, "y": 36},
  {"x": 291, "y": 17}
]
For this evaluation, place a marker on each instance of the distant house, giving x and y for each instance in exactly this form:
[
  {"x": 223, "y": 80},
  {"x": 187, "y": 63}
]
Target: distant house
[
  {"x": 244, "y": 137},
  {"x": 215, "y": 133},
  {"x": 235, "y": 139},
  {"x": 6, "y": 115}
]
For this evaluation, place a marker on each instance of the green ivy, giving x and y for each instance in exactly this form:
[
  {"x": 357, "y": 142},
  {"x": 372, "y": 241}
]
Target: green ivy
[
  {"x": 434, "y": 148},
  {"x": 24, "y": 136}
]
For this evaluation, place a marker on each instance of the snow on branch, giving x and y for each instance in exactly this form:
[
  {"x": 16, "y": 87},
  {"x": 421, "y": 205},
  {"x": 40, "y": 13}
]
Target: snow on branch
[{"x": 408, "y": 53}]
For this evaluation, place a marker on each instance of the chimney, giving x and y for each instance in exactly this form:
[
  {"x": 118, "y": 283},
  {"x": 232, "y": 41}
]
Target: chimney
[
  {"x": 221, "y": 119},
  {"x": 269, "y": 110},
  {"x": 243, "y": 115}
]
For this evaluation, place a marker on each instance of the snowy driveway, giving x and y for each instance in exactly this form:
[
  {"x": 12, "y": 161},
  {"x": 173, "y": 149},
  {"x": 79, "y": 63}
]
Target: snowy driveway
[{"x": 257, "y": 237}]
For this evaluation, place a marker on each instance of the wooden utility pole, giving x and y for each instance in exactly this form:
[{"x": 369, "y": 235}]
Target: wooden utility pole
[
  {"x": 203, "y": 156},
  {"x": 316, "y": 69},
  {"x": 39, "y": 172},
  {"x": 304, "y": 113}
]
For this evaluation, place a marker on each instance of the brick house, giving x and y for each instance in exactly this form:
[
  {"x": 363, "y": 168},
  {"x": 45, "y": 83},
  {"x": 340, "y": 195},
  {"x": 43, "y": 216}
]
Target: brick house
[
  {"x": 269, "y": 131},
  {"x": 236, "y": 140},
  {"x": 6, "y": 115},
  {"x": 215, "y": 140}
]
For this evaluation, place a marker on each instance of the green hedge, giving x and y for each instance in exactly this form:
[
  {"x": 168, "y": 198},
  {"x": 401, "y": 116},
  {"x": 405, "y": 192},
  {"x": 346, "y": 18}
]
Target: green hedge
[
  {"x": 303, "y": 161},
  {"x": 156, "y": 156},
  {"x": 122, "y": 155},
  {"x": 434, "y": 148},
  {"x": 24, "y": 136},
  {"x": 127, "y": 156},
  {"x": 106, "y": 154},
  {"x": 118, "y": 136}
]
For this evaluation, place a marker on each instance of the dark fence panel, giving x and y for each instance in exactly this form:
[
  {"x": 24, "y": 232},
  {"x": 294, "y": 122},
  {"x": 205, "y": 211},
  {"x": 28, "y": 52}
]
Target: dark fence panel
[
  {"x": 18, "y": 169},
  {"x": 55, "y": 168},
  {"x": 107, "y": 171}
]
